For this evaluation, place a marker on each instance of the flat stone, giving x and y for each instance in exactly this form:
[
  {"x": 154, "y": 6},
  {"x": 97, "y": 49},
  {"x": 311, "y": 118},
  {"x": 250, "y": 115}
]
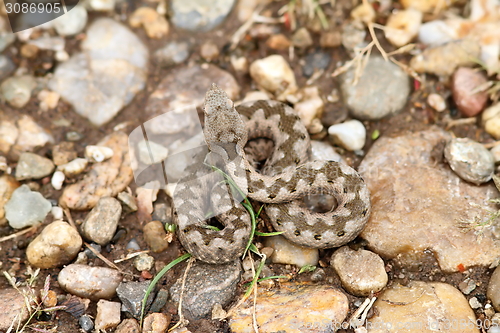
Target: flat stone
[
  {"x": 293, "y": 308},
  {"x": 13, "y": 308},
  {"x": 382, "y": 90},
  {"x": 108, "y": 315},
  {"x": 33, "y": 166},
  {"x": 89, "y": 282},
  {"x": 101, "y": 223},
  {"x": 199, "y": 15},
  {"x": 26, "y": 208},
  {"x": 207, "y": 285},
  {"x": 422, "y": 307},
  {"x": 416, "y": 200},
  {"x": 131, "y": 295},
  {"x": 274, "y": 74},
  {"x": 57, "y": 245},
  {"x": 286, "y": 252},
  {"x": 7, "y": 186}
]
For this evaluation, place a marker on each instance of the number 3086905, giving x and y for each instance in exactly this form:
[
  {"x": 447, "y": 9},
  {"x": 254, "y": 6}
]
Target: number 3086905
[{"x": 25, "y": 7}]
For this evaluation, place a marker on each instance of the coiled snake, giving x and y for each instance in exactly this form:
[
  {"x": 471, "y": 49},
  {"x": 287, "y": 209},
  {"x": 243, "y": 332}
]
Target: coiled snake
[{"x": 288, "y": 177}]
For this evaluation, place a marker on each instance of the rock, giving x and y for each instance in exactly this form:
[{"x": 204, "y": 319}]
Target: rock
[
  {"x": 382, "y": 90},
  {"x": 7, "y": 186},
  {"x": 128, "y": 326},
  {"x": 350, "y": 135},
  {"x": 131, "y": 295},
  {"x": 86, "y": 323},
  {"x": 156, "y": 25},
  {"x": 316, "y": 61},
  {"x": 323, "y": 151},
  {"x": 274, "y": 75},
  {"x": 286, "y": 252},
  {"x": 444, "y": 59},
  {"x": 470, "y": 160},
  {"x": 6, "y": 39},
  {"x": 491, "y": 120},
  {"x": 302, "y": 38},
  {"x": 72, "y": 22},
  {"x": 150, "y": 149},
  {"x": 493, "y": 291},
  {"x": 426, "y": 6},
  {"x": 108, "y": 315},
  {"x": 155, "y": 236},
  {"x": 57, "y": 180},
  {"x": 282, "y": 310},
  {"x": 330, "y": 39},
  {"x": 7, "y": 67},
  {"x": 310, "y": 107},
  {"x": 353, "y": 36},
  {"x": 361, "y": 272},
  {"x": 97, "y": 154},
  {"x": 160, "y": 301},
  {"x": 144, "y": 262},
  {"x": 198, "y": 15},
  {"x": 436, "y": 102},
  {"x": 364, "y": 13},
  {"x": 74, "y": 167},
  {"x": 209, "y": 51},
  {"x": 115, "y": 72},
  {"x": 433, "y": 306},
  {"x": 33, "y": 166},
  {"x": 101, "y": 223},
  {"x": 89, "y": 282},
  {"x": 48, "y": 99},
  {"x": 8, "y": 135},
  {"x": 207, "y": 285},
  {"x": 403, "y": 26},
  {"x": 278, "y": 42},
  {"x": 16, "y": 90},
  {"x": 57, "y": 245},
  {"x": 102, "y": 5},
  {"x": 26, "y": 208},
  {"x": 436, "y": 32},
  {"x": 128, "y": 202},
  {"x": 63, "y": 153},
  {"x": 174, "y": 53},
  {"x": 107, "y": 178},
  {"x": 157, "y": 322},
  {"x": 13, "y": 307},
  {"x": 417, "y": 200},
  {"x": 30, "y": 135},
  {"x": 464, "y": 83},
  {"x": 48, "y": 43}
]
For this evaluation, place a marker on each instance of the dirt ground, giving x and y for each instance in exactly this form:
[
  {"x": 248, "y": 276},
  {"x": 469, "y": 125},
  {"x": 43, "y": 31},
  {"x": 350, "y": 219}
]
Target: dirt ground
[{"x": 415, "y": 116}]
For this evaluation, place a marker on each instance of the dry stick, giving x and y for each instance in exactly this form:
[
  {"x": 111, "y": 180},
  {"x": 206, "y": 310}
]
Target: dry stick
[
  {"x": 70, "y": 218},
  {"x": 183, "y": 321},
  {"x": 100, "y": 256},
  {"x": 254, "y": 315},
  {"x": 17, "y": 234}
]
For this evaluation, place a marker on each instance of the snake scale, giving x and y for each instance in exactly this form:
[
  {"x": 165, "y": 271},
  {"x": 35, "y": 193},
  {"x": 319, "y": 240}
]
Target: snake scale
[{"x": 286, "y": 177}]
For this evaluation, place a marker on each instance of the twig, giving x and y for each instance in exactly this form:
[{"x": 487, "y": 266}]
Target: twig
[
  {"x": 19, "y": 233},
  {"x": 70, "y": 218},
  {"x": 106, "y": 261},
  {"x": 182, "y": 320}
]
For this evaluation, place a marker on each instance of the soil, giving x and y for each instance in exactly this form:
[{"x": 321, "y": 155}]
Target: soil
[{"x": 415, "y": 116}]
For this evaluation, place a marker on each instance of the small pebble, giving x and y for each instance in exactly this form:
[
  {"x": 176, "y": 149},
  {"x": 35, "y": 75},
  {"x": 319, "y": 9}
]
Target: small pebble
[
  {"x": 350, "y": 135},
  {"x": 286, "y": 252},
  {"x": 495, "y": 151},
  {"x": 132, "y": 245},
  {"x": 57, "y": 180},
  {"x": 74, "y": 167},
  {"x": 155, "y": 236},
  {"x": 73, "y": 136},
  {"x": 48, "y": 99},
  {"x": 436, "y": 102},
  {"x": 131, "y": 295},
  {"x": 86, "y": 323},
  {"x": 157, "y": 322},
  {"x": 129, "y": 325},
  {"x": 278, "y": 42},
  {"x": 491, "y": 120},
  {"x": 311, "y": 106},
  {"x": 16, "y": 90},
  {"x": 467, "y": 286},
  {"x": 160, "y": 301},
  {"x": 323, "y": 151},
  {"x": 57, "y": 212},
  {"x": 156, "y": 25},
  {"x": 474, "y": 303},
  {"x": 7, "y": 67},
  {"x": 108, "y": 315},
  {"x": 101, "y": 223},
  {"x": 470, "y": 160},
  {"x": 173, "y": 53},
  {"x": 89, "y": 282},
  {"x": 316, "y": 61},
  {"x": 353, "y": 36},
  {"x": 274, "y": 75},
  {"x": 102, "y": 5},
  {"x": 493, "y": 289},
  {"x": 144, "y": 262},
  {"x": 464, "y": 83},
  {"x": 302, "y": 38},
  {"x": 330, "y": 39},
  {"x": 96, "y": 154},
  {"x": 71, "y": 23},
  {"x": 26, "y": 208},
  {"x": 318, "y": 275},
  {"x": 209, "y": 51},
  {"x": 57, "y": 245},
  {"x": 33, "y": 166},
  {"x": 195, "y": 15},
  {"x": 403, "y": 26},
  {"x": 29, "y": 51},
  {"x": 435, "y": 32},
  {"x": 128, "y": 201},
  {"x": 149, "y": 149}
]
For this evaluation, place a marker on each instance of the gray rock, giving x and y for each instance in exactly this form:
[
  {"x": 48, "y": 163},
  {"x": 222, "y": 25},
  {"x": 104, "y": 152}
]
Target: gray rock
[
  {"x": 131, "y": 295},
  {"x": 102, "y": 221},
  {"x": 160, "y": 301},
  {"x": 470, "y": 160},
  {"x": 382, "y": 90},
  {"x": 33, "y": 166},
  {"x": 89, "y": 282},
  {"x": 72, "y": 22},
  {"x": 86, "y": 323},
  {"x": 7, "y": 66},
  {"x": 172, "y": 54},
  {"x": 17, "y": 90},
  {"x": 105, "y": 77},
  {"x": 200, "y": 15},
  {"x": 6, "y": 38},
  {"x": 207, "y": 285},
  {"x": 316, "y": 61},
  {"x": 26, "y": 208}
]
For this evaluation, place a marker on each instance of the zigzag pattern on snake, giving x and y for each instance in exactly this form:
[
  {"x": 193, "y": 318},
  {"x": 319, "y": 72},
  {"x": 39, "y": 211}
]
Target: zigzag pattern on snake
[{"x": 288, "y": 177}]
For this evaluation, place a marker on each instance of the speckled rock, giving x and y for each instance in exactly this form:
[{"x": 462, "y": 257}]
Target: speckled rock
[
  {"x": 207, "y": 285},
  {"x": 33, "y": 166},
  {"x": 101, "y": 223},
  {"x": 108, "y": 315},
  {"x": 470, "y": 160},
  {"x": 286, "y": 252},
  {"x": 26, "y": 208},
  {"x": 361, "y": 272},
  {"x": 131, "y": 295},
  {"x": 104, "y": 179},
  {"x": 433, "y": 306},
  {"x": 416, "y": 200},
  {"x": 155, "y": 236},
  {"x": 89, "y": 282},
  {"x": 13, "y": 308},
  {"x": 282, "y": 310},
  {"x": 57, "y": 245},
  {"x": 199, "y": 15},
  {"x": 382, "y": 90}
]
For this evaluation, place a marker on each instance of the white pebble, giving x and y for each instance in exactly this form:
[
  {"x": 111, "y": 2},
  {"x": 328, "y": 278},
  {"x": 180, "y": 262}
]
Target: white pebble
[
  {"x": 436, "y": 102},
  {"x": 350, "y": 135},
  {"x": 98, "y": 153},
  {"x": 274, "y": 75},
  {"x": 72, "y": 22},
  {"x": 57, "y": 212},
  {"x": 57, "y": 180},
  {"x": 74, "y": 167},
  {"x": 403, "y": 26},
  {"x": 436, "y": 33},
  {"x": 491, "y": 120},
  {"x": 102, "y": 5}
]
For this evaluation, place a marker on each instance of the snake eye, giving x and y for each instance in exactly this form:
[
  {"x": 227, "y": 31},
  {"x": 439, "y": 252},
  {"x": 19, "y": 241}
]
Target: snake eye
[
  {"x": 297, "y": 232},
  {"x": 364, "y": 212},
  {"x": 341, "y": 233},
  {"x": 345, "y": 190},
  {"x": 317, "y": 237},
  {"x": 278, "y": 222}
]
